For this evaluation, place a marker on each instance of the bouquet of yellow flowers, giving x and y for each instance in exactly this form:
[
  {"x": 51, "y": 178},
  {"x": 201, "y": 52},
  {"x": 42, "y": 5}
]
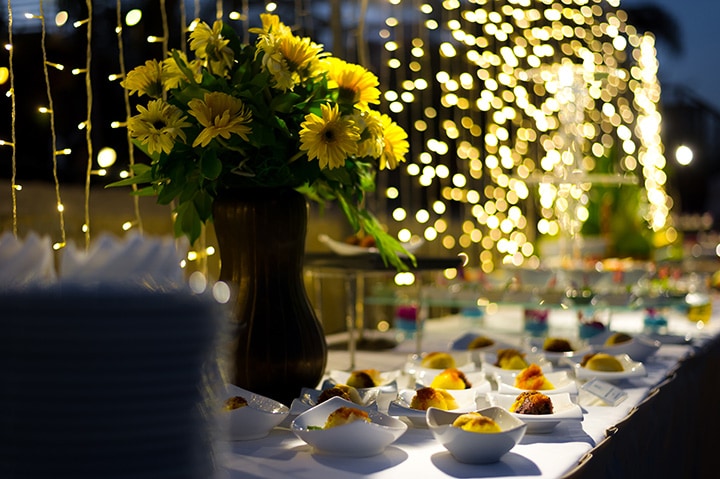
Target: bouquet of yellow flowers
[{"x": 279, "y": 112}]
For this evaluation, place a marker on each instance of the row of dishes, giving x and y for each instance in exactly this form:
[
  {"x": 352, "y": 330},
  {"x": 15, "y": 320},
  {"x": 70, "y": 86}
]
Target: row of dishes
[{"x": 511, "y": 390}]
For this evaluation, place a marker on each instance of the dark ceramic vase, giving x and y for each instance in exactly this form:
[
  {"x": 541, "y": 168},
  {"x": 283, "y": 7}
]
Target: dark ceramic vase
[{"x": 278, "y": 345}]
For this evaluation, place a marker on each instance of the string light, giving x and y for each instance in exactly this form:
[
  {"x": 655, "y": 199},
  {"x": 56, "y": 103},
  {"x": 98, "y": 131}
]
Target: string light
[
  {"x": 88, "y": 119},
  {"x": 14, "y": 187}
]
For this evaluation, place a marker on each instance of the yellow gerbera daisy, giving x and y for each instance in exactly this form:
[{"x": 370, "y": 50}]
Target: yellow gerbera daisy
[
  {"x": 210, "y": 46},
  {"x": 172, "y": 74},
  {"x": 299, "y": 52},
  {"x": 371, "y": 133},
  {"x": 145, "y": 80},
  {"x": 330, "y": 138},
  {"x": 274, "y": 62},
  {"x": 221, "y": 115},
  {"x": 356, "y": 85},
  {"x": 158, "y": 126},
  {"x": 396, "y": 145},
  {"x": 271, "y": 24}
]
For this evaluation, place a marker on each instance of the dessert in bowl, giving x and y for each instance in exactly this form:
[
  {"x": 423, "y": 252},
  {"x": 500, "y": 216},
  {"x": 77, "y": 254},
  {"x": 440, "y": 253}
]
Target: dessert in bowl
[
  {"x": 244, "y": 415},
  {"x": 474, "y": 440},
  {"x": 340, "y": 427}
]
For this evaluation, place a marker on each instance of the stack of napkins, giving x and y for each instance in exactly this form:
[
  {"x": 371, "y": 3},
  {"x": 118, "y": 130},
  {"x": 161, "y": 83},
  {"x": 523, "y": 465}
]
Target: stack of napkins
[
  {"x": 27, "y": 262},
  {"x": 135, "y": 260}
]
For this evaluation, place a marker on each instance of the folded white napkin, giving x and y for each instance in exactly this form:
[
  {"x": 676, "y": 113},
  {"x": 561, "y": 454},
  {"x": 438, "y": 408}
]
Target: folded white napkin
[
  {"x": 28, "y": 262},
  {"x": 150, "y": 261}
]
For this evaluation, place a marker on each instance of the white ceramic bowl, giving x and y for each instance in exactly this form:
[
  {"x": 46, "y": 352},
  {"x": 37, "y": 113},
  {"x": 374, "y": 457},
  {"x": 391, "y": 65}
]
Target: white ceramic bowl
[
  {"x": 310, "y": 397},
  {"x": 466, "y": 400},
  {"x": 253, "y": 421},
  {"x": 489, "y": 359},
  {"x": 578, "y": 350},
  {"x": 463, "y": 361},
  {"x": 462, "y": 343},
  {"x": 356, "y": 439},
  {"x": 388, "y": 380},
  {"x": 639, "y": 348},
  {"x": 631, "y": 369},
  {"x": 472, "y": 447},
  {"x": 564, "y": 409},
  {"x": 477, "y": 379},
  {"x": 560, "y": 379}
]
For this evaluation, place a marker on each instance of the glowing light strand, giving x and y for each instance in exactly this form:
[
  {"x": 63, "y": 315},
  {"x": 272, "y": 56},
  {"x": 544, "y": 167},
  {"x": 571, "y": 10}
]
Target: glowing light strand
[
  {"x": 13, "y": 116},
  {"x": 88, "y": 122},
  {"x": 126, "y": 99},
  {"x": 51, "y": 112}
]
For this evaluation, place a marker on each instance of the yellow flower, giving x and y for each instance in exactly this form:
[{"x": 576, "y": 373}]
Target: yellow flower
[
  {"x": 145, "y": 80},
  {"x": 172, "y": 74},
  {"x": 210, "y": 46},
  {"x": 396, "y": 144},
  {"x": 330, "y": 138},
  {"x": 158, "y": 126},
  {"x": 356, "y": 85},
  {"x": 371, "y": 133},
  {"x": 221, "y": 115},
  {"x": 271, "y": 24}
]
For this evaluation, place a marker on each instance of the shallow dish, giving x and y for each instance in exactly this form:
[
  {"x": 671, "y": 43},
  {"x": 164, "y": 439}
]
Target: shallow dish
[
  {"x": 536, "y": 346},
  {"x": 356, "y": 439},
  {"x": 466, "y": 400},
  {"x": 463, "y": 361},
  {"x": 639, "y": 348},
  {"x": 472, "y": 447},
  {"x": 564, "y": 409},
  {"x": 388, "y": 380},
  {"x": 253, "y": 421},
  {"x": 560, "y": 379},
  {"x": 631, "y": 369},
  {"x": 309, "y": 398},
  {"x": 463, "y": 342},
  {"x": 346, "y": 249},
  {"x": 488, "y": 360}
]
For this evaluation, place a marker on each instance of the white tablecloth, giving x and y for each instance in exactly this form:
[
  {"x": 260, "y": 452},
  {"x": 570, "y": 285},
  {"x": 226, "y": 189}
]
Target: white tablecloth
[{"x": 281, "y": 455}]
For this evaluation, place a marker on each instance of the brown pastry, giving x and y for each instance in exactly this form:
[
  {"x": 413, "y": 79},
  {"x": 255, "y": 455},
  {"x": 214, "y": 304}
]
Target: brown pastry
[
  {"x": 364, "y": 378},
  {"x": 235, "y": 402},
  {"x": 344, "y": 391},
  {"x": 532, "y": 378},
  {"x": 510, "y": 359},
  {"x": 430, "y": 397},
  {"x": 480, "y": 342},
  {"x": 557, "y": 345},
  {"x": 438, "y": 360},
  {"x": 532, "y": 402},
  {"x": 601, "y": 362}
]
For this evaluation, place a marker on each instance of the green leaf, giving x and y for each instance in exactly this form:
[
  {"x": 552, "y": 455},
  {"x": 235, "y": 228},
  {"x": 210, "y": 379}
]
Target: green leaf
[
  {"x": 187, "y": 222},
  {"x": 211, "y": 166}
]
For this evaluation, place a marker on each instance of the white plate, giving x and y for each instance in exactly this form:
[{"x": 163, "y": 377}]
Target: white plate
[
  {"x": 560, "y": 379},
  {"x": 639, "y": 348},
  {"x": 466, "y": 400},
  {"x": 309, "y": 398},
  {"x": 356, "y": 439},
  {"x": 536, "y": 346},
  {"x": 345, "y": 249},
  {"x": 488, "y": 360},
  {"x": 631, "y": 369},
  {"x": 463, "y": 361},
  {"x": 479, "y": 383},
  {"x": 462, "y": 343},
  {"x": 564, "y": 409},
  {"x": 388, "y": 380},
  {"x": 253, "y": 421}
]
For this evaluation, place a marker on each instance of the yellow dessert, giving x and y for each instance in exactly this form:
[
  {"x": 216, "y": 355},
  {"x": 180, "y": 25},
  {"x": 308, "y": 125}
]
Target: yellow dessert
[
  {"x": 342, "y": 390},
  {"x": 601, "y": 362},
  {"x": 557, "y": 345},
  {"x": 480, "y": 342},
  {"x": 430, "y": 397},
  {"x": 364, "y": 378},
  {"x": 235, "y": 402},
  {"x": 476, "y": 422},
  {"x": 617, "y": 338},
  {"x": 532, "y": 378},
  {"x": 532, "y": 402},
  {"x": 345, "y": 415},
  {"x": 510, "y": 359},
  {"x": 438, "y": 360},
  {"x": 451, "y": 378}
]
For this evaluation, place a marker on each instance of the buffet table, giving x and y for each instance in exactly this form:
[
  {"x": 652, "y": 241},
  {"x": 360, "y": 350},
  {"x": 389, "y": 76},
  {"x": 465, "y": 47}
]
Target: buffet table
[{"x": 627, "y": 440}]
